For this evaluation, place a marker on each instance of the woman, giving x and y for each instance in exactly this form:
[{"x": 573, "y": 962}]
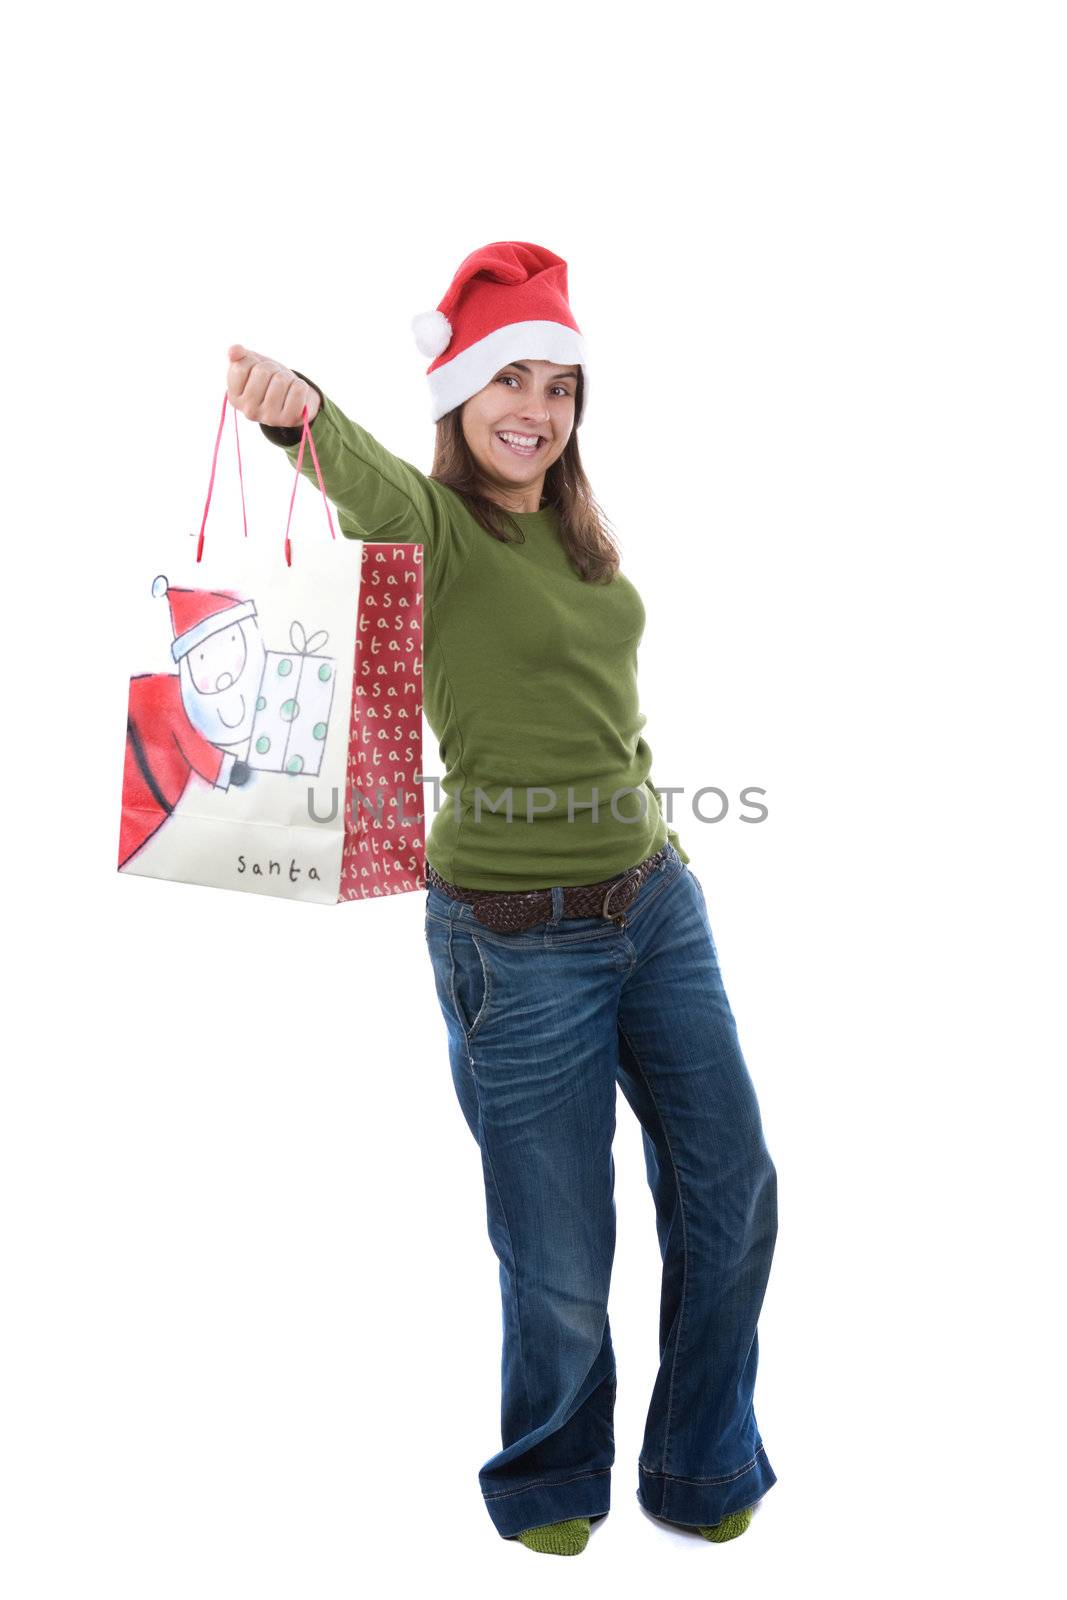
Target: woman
[{"x": 569, "y": 940}]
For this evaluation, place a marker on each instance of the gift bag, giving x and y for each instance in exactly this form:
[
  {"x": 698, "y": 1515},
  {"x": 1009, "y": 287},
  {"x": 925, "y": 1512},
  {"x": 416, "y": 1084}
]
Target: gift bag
[{"x": 274, "y": 731}]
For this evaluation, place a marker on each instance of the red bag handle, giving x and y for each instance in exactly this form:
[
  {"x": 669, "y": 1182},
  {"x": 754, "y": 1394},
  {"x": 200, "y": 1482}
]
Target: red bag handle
[
  {"x": 211, "y": 481},
  {"x": 305, "y": 435}
]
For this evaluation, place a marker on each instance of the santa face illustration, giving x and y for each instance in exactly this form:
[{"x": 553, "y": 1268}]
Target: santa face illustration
[
  {"x": 220, "y": 681},
  {"x": 196, "y": 719}
]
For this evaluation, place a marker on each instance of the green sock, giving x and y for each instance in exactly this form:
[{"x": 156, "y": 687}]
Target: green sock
[
  {"x": 557, "y": 1538},
  {"x": 729, "y": 1528}
]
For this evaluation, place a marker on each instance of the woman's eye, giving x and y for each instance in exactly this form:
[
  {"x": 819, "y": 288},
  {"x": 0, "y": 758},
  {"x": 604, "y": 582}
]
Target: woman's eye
[{"x": 509, "y": 377}]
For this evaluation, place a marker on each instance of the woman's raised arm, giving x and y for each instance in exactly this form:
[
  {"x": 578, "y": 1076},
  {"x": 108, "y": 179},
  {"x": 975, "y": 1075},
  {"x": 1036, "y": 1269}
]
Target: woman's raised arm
[{"x": 378, "y": 496}]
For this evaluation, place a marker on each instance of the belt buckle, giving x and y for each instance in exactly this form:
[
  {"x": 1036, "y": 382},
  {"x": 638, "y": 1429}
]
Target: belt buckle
[{"x": 623, "y": 882}]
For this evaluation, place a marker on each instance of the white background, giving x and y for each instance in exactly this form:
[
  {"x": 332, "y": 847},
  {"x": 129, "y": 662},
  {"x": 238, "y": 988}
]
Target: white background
[{"x": 251, "y": 1309}]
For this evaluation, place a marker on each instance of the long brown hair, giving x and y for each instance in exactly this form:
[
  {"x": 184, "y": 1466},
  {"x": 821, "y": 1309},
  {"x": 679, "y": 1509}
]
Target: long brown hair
[{"x": 583, "y": 526}]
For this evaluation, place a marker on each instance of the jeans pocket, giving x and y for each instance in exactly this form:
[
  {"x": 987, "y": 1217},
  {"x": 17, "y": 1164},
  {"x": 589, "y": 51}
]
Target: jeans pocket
[
  {"x": 471, "y": 982},
  {"x": 461, "y": 974}
]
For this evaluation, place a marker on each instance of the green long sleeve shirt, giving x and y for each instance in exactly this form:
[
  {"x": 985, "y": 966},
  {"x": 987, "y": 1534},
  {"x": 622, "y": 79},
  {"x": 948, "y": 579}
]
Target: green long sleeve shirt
[{"x": 529, "y": 678}]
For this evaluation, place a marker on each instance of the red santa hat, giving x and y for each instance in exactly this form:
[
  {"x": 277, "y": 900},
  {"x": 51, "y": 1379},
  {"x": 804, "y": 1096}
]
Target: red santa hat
[
  {"x": 508, "y": 301},
  {"x": 195, "y": 614}
]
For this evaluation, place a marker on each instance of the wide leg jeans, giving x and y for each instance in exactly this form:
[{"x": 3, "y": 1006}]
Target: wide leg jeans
[{"x": 541, "y": 1026}]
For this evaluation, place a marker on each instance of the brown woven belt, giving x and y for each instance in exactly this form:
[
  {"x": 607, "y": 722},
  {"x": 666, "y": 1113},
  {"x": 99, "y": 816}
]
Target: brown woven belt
[{"x": 510, "y": 911}]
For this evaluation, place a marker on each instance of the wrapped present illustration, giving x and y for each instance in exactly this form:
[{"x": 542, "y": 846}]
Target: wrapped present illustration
[{"x": 292, "y": 714}]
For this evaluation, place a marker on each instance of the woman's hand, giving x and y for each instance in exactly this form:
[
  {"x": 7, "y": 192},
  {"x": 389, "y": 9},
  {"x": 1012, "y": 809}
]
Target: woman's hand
[{"x": 266, "y": 391}]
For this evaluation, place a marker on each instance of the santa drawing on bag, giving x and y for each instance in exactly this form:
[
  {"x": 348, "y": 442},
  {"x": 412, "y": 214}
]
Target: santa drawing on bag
[{"x": 198, "y": 719}]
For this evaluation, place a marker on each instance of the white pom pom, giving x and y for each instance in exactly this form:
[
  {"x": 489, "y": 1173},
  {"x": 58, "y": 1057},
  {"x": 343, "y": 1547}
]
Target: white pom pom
[
  {"x": 159, "y": 586},
  {"x": 432, "y": 331}
]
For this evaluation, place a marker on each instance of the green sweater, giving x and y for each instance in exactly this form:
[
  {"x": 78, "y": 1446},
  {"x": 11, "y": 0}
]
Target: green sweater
[{"x": 530, "y": 677}]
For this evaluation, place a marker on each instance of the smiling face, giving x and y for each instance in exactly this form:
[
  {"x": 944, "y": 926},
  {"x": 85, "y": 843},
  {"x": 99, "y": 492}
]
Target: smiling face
[{"x": 517, "y": 426}]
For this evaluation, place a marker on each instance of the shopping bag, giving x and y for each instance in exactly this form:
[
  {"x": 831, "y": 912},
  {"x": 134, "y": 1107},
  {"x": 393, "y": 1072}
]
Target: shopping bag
[{"x": 274, "y": 731}]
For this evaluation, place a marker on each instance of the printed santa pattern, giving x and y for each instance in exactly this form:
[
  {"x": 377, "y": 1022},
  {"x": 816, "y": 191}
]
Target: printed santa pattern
[{"x": 385, "y": 839}]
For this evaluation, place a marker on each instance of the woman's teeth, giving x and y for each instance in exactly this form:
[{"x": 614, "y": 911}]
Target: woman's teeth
[{"x": 523, "y": 444}]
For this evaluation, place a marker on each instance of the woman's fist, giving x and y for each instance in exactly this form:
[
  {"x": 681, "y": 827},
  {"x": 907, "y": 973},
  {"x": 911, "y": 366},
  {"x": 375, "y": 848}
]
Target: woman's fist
[{"x": 266, "y": 391}]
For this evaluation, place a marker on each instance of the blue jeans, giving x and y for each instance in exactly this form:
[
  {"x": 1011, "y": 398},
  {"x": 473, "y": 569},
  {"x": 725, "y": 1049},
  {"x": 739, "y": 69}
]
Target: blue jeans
[{"x": 541, "y": 1025}]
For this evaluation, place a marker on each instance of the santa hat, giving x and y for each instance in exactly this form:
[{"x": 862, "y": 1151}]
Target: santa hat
[
  {"x": 195, "y": 614},
  {"x": 507, "y": 302}
]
